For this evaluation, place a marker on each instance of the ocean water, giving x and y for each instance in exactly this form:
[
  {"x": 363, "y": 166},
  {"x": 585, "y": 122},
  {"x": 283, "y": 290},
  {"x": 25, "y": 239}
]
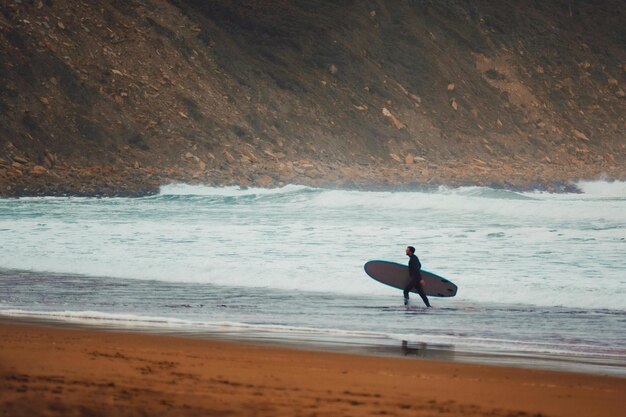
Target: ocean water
[{"x": 542, "y": 277}]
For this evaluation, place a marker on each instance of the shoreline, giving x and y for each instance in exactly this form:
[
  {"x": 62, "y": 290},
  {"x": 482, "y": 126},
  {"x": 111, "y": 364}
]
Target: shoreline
[
  {"x": 108, "y": 181},
  {"x": 106, "y": 191},
  {"x": 447, "y": 353},
  {"x": 62, "y": 371}
]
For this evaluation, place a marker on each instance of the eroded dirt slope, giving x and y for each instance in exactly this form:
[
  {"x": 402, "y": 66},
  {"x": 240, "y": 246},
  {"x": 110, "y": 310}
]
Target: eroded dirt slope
[{"x": 116, "y": 97}]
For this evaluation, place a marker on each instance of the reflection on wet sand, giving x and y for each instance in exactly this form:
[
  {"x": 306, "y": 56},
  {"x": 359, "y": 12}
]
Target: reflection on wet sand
[{"x": 425, "y": 350}]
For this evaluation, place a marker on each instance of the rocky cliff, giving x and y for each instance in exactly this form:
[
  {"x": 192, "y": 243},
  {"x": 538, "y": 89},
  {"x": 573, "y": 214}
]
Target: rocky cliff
[{"x": 119, "y": 96}]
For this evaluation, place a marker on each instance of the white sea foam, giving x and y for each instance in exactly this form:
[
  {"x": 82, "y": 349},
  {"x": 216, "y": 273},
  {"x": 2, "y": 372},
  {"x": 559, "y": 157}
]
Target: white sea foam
[
  {"x": 616, "y": 189},
  {"x": 96, "y": 317},
  {"x": 200, "y": 190}
]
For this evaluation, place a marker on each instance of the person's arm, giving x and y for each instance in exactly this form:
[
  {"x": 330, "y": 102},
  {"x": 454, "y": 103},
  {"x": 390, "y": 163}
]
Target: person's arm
[{"x": 414, "y": 267}]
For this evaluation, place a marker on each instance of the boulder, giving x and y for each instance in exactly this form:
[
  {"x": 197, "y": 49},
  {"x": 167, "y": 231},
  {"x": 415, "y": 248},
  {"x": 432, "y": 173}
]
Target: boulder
[
  {"x": 306, "y": 164},
  {"x": 251, "y": 156},
  {"x": 285, "y": 168},
  {"x": 393, "y": 119},
  {"x": 229, "y": 157},
  {"x": 580, "y": 135},
  {"x": 49, "y": 159},
  {"x": 264, "y": 181},
  {"x": 415, "y": 98},
  {"x": 38, "y": 170}
]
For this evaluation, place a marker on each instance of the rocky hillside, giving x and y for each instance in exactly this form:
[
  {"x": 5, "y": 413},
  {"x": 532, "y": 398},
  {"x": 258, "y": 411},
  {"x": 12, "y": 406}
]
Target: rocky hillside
[{"x": 119, "y": 96}]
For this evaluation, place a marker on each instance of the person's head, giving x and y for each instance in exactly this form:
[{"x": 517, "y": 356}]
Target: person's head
[{"x": 410, "y": 250}]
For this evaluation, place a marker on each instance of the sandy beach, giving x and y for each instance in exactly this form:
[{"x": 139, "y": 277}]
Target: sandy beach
[{"x": 59, "y": 371}]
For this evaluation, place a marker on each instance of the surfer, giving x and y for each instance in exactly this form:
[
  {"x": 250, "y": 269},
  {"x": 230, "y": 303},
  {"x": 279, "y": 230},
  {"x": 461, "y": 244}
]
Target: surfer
[{"x": 415, "y": 277}]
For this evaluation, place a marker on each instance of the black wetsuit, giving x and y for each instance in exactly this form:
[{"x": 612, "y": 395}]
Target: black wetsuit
[{"x": 415, "y": 279}]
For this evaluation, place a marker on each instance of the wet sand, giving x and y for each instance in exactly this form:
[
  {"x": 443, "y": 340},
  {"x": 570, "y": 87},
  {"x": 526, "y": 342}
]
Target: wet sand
[{"x": 59, "y": 371}]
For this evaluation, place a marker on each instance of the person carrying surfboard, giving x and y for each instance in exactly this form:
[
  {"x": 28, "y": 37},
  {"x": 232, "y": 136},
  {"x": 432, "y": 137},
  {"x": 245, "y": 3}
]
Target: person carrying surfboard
[{"x": 415, "y": 280}]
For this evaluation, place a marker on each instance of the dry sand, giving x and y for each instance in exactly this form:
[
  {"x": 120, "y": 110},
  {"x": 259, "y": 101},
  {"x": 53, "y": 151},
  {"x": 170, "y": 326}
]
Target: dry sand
[{"x": 76, "y": 372}]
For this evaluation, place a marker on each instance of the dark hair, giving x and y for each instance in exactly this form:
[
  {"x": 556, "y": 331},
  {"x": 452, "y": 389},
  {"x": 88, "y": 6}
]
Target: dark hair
[{"x": 412, "y": 249}]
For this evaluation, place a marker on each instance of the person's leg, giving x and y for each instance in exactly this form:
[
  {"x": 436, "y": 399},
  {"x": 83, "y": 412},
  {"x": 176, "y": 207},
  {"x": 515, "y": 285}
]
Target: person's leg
[
  {"x": 408, "y": 288},
  {"x": 421, "y": 293}
]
